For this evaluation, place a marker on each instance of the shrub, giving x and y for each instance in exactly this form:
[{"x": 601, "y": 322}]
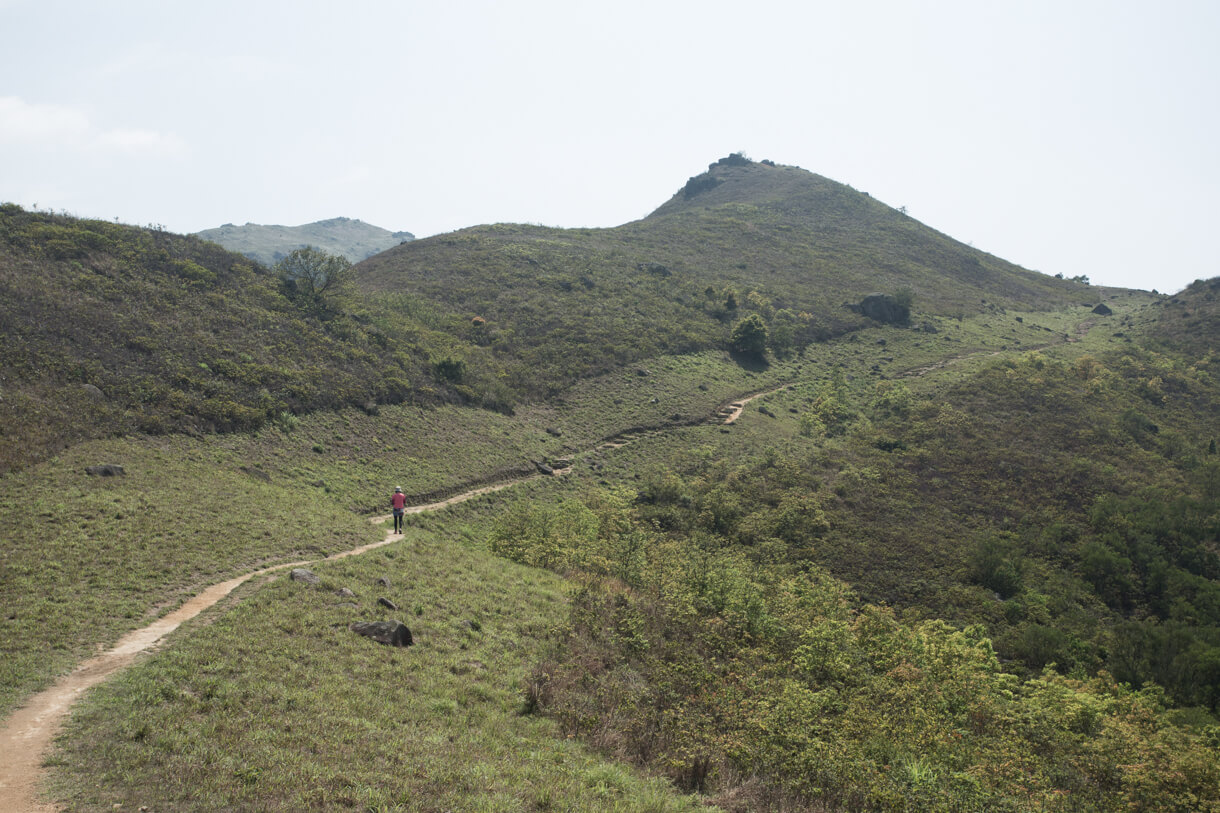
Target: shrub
[{"x": 749, "y": 336}]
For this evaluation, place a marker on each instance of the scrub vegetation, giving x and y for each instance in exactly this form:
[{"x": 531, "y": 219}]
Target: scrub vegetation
[{"x": 966, "y": 560}]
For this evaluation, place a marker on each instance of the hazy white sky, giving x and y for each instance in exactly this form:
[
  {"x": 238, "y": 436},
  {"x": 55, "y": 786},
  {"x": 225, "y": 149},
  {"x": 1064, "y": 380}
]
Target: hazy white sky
[{"x": 1067, "y": 136}]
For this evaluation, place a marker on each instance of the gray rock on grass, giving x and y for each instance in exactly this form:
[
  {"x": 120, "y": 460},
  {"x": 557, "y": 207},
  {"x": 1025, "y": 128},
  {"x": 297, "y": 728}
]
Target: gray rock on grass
[
  {"x": 390, "y": 633},
  {"x": 106, "y": 470}
]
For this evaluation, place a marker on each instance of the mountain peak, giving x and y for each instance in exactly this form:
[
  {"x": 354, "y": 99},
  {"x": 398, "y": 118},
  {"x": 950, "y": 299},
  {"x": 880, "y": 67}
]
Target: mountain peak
[
  {"x": 735, "y": 179},
  {"x": 346, "y": 236}
]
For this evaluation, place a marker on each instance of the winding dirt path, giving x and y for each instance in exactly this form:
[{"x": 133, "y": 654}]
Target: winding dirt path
[
  {"x": 26, "y": 736},
  {"x": 733, "y": 411}
]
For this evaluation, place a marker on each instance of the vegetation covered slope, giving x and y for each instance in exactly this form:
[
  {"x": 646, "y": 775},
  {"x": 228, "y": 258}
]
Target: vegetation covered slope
[
  {"x": 777, "y": 242},
  {"x": 993, "y": 588},
  {"x": 111, "y": 329},
  {"x": 342, "y": 236},
  {"x": 966, "y": 563}
]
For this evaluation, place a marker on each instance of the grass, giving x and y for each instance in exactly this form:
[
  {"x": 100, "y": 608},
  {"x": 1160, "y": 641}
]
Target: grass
[
  {"x": 209, "y": 681},
  {"x": 275, "y": 705},
  {"x": 87, "y": 559}
]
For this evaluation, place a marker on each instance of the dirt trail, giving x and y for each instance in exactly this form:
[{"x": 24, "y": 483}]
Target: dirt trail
[
  {"x": 26, "y": 735},
  {"x": 1082, "y": 330},
  {"x": 733, "y": 411}
]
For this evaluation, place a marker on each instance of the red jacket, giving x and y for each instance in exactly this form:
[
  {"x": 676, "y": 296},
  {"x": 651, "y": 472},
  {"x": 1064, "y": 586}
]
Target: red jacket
[{"x": 399, "y": 500}]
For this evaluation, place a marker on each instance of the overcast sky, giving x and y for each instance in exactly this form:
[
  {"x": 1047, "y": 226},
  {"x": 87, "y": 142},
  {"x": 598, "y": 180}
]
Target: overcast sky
[{"x": 1069, "y": 137}]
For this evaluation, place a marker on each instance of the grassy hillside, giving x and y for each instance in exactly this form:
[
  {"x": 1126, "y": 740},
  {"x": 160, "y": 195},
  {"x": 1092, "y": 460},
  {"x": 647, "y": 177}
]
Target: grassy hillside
[
  {"x": 110, "y": 329},
  {"x": 776, "y": 618},
  {"x": 964, "y": 562},
  {"x": 353, "y": 239},
  {"x": 778, "y": 242}
]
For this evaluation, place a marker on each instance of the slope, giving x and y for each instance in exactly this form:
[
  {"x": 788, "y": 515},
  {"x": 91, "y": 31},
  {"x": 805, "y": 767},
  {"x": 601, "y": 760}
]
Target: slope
[
  {"x": 774, "y": 241},
  {"x": 110, "y": 329}
]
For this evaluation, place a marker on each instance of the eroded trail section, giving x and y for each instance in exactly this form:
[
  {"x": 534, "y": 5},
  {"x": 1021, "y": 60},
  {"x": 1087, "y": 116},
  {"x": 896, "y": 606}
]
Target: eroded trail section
[{"x": 26, "y": 735}]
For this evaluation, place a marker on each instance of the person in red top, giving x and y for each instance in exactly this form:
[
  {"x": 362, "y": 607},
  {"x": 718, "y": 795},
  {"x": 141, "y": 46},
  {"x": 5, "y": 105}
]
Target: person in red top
[{"x": 398, "y": 502}]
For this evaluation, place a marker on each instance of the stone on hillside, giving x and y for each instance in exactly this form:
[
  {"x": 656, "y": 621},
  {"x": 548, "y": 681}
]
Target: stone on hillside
[
  {"x": 383, "y": 581},
  {"x": 385, "y": 602},
  {"x": 93, "y": 392},
  {"x": 882, "y": 308},
  {"x": 553, "y": 432},
  {"x": 300, "y": 574},
  {"x": 543, "y": 467},
  {"x": 345, "y": 592},
  {"x": 106, "y": 470},
  {"x": 1102, "y": 310},
  {"x": 561, "y": 463},
  {"x": 390, "y": 633}
]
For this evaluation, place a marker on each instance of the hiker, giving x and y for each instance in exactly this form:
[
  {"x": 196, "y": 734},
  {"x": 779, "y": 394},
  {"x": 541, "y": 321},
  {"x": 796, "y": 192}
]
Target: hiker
[{"x": 398, "y": 502}]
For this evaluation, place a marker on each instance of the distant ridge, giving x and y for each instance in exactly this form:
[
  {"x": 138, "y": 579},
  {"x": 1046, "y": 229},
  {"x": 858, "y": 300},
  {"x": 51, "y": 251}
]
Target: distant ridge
[{"x": 350, "y": 238}]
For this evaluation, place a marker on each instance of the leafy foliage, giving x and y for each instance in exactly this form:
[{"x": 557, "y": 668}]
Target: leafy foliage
[
  {"x": 311, "y": 274},
  {"x": 749, "y": 336}
]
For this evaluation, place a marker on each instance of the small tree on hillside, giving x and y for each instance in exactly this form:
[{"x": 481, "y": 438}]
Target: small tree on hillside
[
  {"x": 749, "y": 336},
  {"x": 311, "y": 274}
]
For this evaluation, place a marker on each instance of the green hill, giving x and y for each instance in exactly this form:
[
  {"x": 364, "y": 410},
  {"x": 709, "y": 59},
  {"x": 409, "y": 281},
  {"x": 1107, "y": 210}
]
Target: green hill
[
  {"x": 961, "y": 560},
  {"x": 343, "y": 236},
  {"x": 779, "y": 242},
  {"x": 111, "y": 329}
]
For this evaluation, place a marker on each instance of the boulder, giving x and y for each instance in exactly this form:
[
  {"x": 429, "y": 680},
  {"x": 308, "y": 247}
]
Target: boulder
[
  {"x": 345, "y": 592},
  {"x": 300, "y": 574},
  {"x": 383, "y": 581},
  {"x": 882, "y": 308},
  {"x": 93, "y": 392},
  {"x": 390, "y": 633},
  {"x": 385, "y": 602},
  {"x": 543, "y": 467},
  {"x": 1102, "y": 310},
  {"x": 106, "y": 470}
]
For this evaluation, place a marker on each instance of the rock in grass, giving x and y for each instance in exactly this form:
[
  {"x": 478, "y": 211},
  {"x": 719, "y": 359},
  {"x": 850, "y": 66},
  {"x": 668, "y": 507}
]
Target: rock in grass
[
  {"x": 106, "y": 470},
  {"x": 383, "y": 581},
  {"x": 1102, "y": 310},
  {"x": 345, "y": 592},
  {"x": 300, "y": 574},
  {"x": 390, "y": 633},
  {"x": 385, "y": 602}
]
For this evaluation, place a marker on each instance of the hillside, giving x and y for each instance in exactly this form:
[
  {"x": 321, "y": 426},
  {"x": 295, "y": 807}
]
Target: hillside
[
  {"x": 965, "y": 560},
  {"x": 353, "y": 239},
  {"x": 110, "y": 329},
  {"x": 779, "y": 242}
]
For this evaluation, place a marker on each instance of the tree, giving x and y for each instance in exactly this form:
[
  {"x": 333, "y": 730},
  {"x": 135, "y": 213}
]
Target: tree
[
  {"x": 749, "y": 336},
  {"x": 311, "y": 274}
]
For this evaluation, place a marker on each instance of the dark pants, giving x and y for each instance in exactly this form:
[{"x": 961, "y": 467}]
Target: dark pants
[{"x": 398, "y": 520}]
